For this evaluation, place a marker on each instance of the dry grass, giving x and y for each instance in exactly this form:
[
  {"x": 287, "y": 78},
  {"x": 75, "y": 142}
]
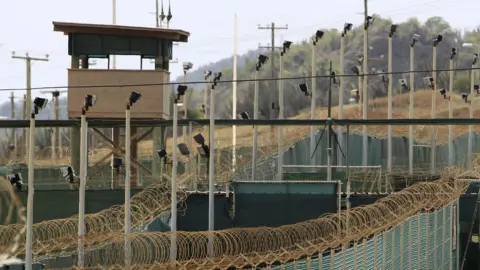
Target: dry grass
[{"x": 268, "y": 137}]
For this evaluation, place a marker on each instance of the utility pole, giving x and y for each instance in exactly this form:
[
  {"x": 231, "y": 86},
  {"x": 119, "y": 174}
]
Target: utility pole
[
  {"x": 55, "y": 116},
  {"x": 28, "y": 101},
  {"x": 272, "y": 48},
  {"x": 14, "y": 131}
]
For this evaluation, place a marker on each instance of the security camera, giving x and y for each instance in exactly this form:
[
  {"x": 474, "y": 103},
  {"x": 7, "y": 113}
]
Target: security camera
[
  {"x": 403, "y": 84},
  {"x": 428, "y": 81},
  {"x": 476, "y": 88},
  {"x": 304, "y": 89},
  {"x": 465, "y": 97},
  {"x": 475, "y": 58},
  {"x": 187, "y": 66},
  {"x": 346, "y": 27}
]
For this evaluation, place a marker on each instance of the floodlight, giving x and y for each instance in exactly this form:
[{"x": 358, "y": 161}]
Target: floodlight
[
  {"x": 393, "y": 29},
  {"x": 181, "y": 89},
  {"x": 335, "y": 80},
  {"x": 199, "y": 139},
  {"x": 16, "y": 180},
  {"x": 304, "y": 89},
  {"x": 354, "y": 93},
  {"x": 347, "y": 27},
  {"x": 403, "y": 84},
  {"x": 162, "y": 153},
  {"x": 415, "y": 39},
  {"x": 39, "y": 104},
  {"x": 453, "y": 53},
  {"x": 203, "y": 150},
  {"x": 428, "y": 81},
  {"x": 286, "y": 45},
  {"x": 368, "y": 21},
  {"x": 89, "y": 101},
  {"x": 217, "y": 76},
  {"x": 318, "y": 35},
  {"x": 467, "y": 45},
  {"x": 443, "y": 92},
  {"x": 207, "y": 74},
  {"x": 134, "y": 97},
  {"x": 262, "y": 59},
  {"x": 244, "y": 116},
  {"x": 381, "y": 74},
  {"x": 68, "y": 174},
  {"x": 465, "y": 97},
  {"x": 117, "y": 162},
  {"x": 356, "y": 70},
  {"x": 360, "y": 59},
  {"x": 183, "y": 149},
  {"x": 187, "y": 66},
  {"x": 476, "y": 88},
  {"x": 66, "y": 171},
  {"x": 56, "y": 93},
  {"x": 437, "y": 39}
]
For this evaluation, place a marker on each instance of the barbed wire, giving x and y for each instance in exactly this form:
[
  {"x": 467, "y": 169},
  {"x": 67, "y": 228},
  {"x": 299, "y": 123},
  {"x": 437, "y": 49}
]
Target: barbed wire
[
  {"x": 238, "y": 80},
  {"x": 251, "y": 247}
]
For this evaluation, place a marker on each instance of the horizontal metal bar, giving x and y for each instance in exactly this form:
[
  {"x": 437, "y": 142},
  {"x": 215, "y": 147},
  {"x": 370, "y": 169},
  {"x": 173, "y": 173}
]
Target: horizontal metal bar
[{"x": 230, "y": 122}]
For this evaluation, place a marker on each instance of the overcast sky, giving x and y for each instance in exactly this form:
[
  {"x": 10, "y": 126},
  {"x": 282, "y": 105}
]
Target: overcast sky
[{"x": 26, "y": 26}]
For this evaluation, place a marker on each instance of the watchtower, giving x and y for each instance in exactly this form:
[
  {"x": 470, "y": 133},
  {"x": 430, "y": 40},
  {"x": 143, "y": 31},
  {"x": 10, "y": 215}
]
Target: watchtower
[{"x": 112, "y": 87}]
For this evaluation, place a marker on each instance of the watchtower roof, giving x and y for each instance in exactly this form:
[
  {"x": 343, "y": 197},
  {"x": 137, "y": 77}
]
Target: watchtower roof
[{"x": 121, "y": 30}]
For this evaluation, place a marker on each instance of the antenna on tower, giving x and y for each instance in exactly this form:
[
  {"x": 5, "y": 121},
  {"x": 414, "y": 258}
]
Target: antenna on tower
[
  {"x": 162, "y": 15},
  {"x": 169, "y": 16}
]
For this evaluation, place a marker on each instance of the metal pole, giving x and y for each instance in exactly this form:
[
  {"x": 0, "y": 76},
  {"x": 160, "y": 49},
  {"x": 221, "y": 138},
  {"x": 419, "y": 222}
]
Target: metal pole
[
  {"x": 31, "y": 169},
  {"x": 234, "y": 103},
  {"x": 211, "y": 176},
  {"x": 390, "y": 107},
  {"x": 54, "y": 131},
  {"x": 128, "y": 165},
  {"x": 365, "y": 95},
  {"x": 433, "y": 144},
  {"x": 340, "y": 93},
  {"x": 450, "y": 114},
  {"x": 58, "y": 130},
  {"x": 470, "y": 127},
  {"x": 81, "y": 189},
  {"x": 14, "y": 131},
  {"x": 173, "y": 207},
  {"x": 411, "y": 109},
  {"x": 29, "y": 98},
  {"x": 185, "y": 116},
  {"x": 281, "y": 116},
  {"x": 255, "y": 128},
  {"x": 313, "y": 104},
  {"x": 329, "y": 132}
]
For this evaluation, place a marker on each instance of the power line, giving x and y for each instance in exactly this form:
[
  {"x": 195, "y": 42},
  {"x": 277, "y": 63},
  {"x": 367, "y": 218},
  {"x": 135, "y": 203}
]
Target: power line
[{"x": 238, "y": 80}]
